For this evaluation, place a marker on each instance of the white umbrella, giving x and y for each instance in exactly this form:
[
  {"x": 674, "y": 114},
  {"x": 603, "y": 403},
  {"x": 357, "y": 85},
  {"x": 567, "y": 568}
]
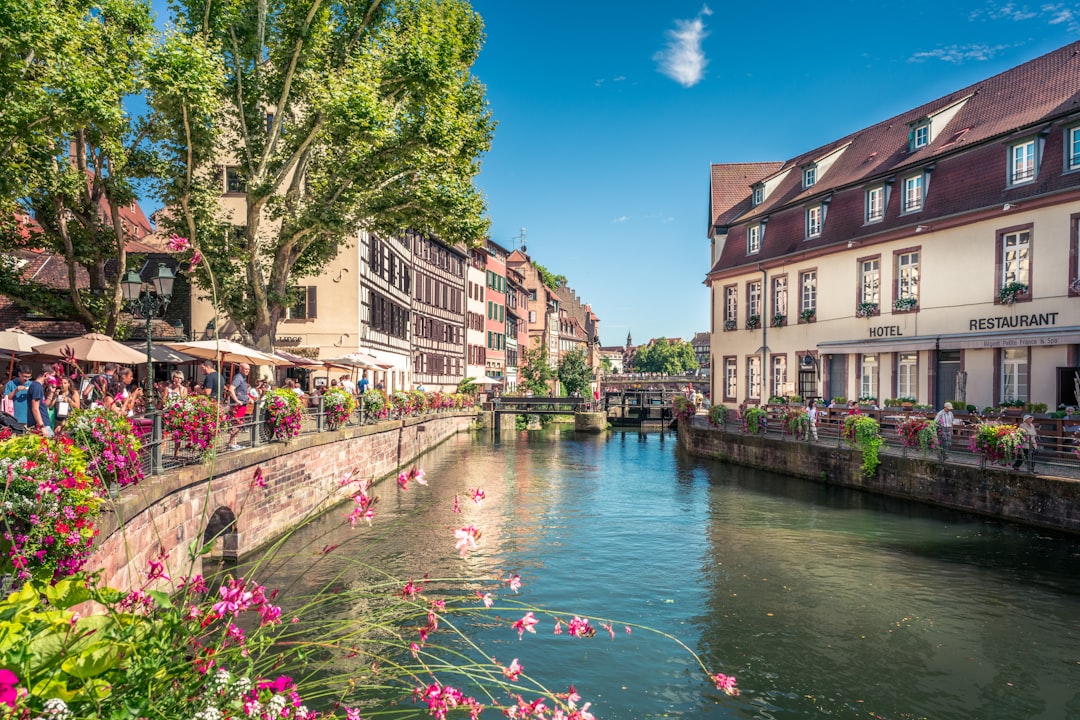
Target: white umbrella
[
  {"x": 92, "y": 347},
  {"x": 226, "y": 351},
  {"x": 18, "y": 341},
  {"x": 360, "y": 360},
  {"x": 487, "y": 380}
]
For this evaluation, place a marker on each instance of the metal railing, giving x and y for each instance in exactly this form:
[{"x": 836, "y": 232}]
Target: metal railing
[{"x": 1056, "y": 453}]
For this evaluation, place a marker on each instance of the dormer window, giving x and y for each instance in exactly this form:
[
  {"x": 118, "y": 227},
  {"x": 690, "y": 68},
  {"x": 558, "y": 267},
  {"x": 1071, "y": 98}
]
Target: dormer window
[
  {"x": 1022, "y": 162},
  {"x": 920, "y": 135},
  {"x": 759, "y": 195},
  {"x": 809, "y": 175},
  {"x": 753, "y": 239}
]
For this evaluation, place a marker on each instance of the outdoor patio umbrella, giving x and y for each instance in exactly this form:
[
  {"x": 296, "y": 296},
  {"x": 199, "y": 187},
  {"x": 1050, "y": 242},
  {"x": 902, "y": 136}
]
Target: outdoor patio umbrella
[
  {"x": 14, "y": 341},
  {"x": 92, "y": 347},
  {"x": 359, "y": 360},
  {"x": 297, "y": 360},
  {"x": 226, "y": 351}
]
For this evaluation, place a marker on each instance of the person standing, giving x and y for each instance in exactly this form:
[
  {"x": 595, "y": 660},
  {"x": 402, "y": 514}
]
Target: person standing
[
  {"x": 238, "y": 399},
  {"x": 212, "y": 381},
  {"x": 363, "y": 384},
  {"x": 811, "y": 415},
  {"x": 67, "y": 399},
  {"x": 39, "y": 410},
  {"x": 945, "y": 420},
  {"x": 15, "y": 391},
  {"x": 1031, "y": 443}
]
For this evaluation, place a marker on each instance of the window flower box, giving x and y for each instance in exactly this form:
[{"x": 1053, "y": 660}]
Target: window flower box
[
  {"x": 753, "y": 322},
  {"x": 866, "y": 309},
  {"x": 730, "y": 324},
  {"x": 905, "y": 303},
  {"x": 808, "y": 316},
  {"x": 1011, "y": 291},
  {"x": 779, "y": 320}
]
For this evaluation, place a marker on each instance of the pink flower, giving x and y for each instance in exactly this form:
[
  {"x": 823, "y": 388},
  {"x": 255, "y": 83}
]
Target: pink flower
[
  {"x": 257, "y": 480},
  {"x": 8, "y": 693},
  {"x": 726, "y": 683},
  {"x": 352, "y": 714},
  {"x": 513, "y": 671},
  {"x": 477, "y": 495},
  {"x": 177, "y": 243},
  {"x": 195, "y": 260},
  {"x": 514, "y": 581},
  {"x": 457, "y": 504},
  {"x": 580, "y": 627},
  {"x": 528, "y": 622},
  {"x": 403, "y": 481},
  {"x": 418, "y": 475},
  {"x": 485, "y": 598},
  {"x": 466, "y": 538}
]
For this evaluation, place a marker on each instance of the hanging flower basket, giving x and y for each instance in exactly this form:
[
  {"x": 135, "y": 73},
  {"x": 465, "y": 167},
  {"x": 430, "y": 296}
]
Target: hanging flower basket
[
  {"x": 338, "y": 405},
  {"x": 193, "y": 423},
  {"x": 284, "y": 414},
  {"x": 112, "y": 448},
  {"x": 375, "y": 403},
  {"x": 864, "y": 432},
  {"x": 684, "y": 407},
  {"x": 997, "y": 443},
  {"x": 718, "y": 415},
  {"x": 755, "y": 421},
  {"x": 919, "y": 432},
  {"x": 1009, "y": 292}
]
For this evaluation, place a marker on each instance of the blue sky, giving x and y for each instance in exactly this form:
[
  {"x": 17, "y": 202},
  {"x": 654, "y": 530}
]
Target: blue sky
[{"x": 610, "y": 112}]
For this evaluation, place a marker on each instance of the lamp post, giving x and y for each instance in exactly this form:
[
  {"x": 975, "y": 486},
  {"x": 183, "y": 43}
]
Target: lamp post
[{"x": 148, "y": 304}]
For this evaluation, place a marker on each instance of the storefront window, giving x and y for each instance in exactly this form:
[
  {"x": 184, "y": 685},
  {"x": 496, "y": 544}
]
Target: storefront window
[
  {"x": 779, "y": 375},
  {"x": 1014, "y": 374},
  {"x": 753, "y": 376},
  {"x": 907, "y": 384},
  {"x": 868, "y": 380},
  {"x": 731, "y": 378}
]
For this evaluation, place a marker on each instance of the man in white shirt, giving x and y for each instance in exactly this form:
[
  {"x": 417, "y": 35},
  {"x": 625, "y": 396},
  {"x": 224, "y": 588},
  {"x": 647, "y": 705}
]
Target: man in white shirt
[{"x": 946, "y": 421}]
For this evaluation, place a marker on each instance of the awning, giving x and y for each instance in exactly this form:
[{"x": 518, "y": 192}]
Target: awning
[
  {"x": 1011, "y": 338},
  {"x": 870, "y": 347}
]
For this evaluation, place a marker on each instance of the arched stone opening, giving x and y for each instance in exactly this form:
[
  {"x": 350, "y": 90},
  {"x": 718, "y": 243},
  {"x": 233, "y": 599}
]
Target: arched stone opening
[{"x": 221, "y": 534}]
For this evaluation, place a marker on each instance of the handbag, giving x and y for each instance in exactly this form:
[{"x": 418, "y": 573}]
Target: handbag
[
  {"x": 8, "y": 406},
  {"x": 63, "y": 408}
]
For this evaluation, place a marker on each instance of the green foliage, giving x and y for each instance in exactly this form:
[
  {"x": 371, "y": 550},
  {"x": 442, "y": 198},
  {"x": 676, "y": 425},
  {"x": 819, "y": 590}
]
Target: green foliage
[
  {"x": 684, "y": 407},
  {"x": 377, "y": 124},
  {"x": 549, "y": 279},
  {"x": 864, "y": 432},
  {"x": 574, "y": 372},
  {"x": 718, "y": 415},
  {"x": 755, "y": 420},
  {"x": 535, "y": 371},
  {"x": 339, "y": 405},
  {"x": 667, "y": 358}
]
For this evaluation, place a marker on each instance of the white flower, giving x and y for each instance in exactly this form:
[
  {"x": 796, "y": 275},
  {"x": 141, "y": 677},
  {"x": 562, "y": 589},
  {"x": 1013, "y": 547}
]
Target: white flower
[
  {"x": 210, "y": 713},
  {"x": 55, "y": 709},
  {"x": 275, "y": 706},
  {"x": 241, "y": 686}
]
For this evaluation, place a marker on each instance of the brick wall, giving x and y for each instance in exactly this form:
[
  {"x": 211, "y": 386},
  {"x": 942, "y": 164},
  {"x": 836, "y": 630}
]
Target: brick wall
[
  {"x": 169, "y": 513},
  {"x": 1033, "y": 500}
]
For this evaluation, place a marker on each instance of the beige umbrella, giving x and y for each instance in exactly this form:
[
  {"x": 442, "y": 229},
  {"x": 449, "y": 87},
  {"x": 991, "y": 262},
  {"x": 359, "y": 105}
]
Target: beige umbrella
[
  {"x": 226, "y": 351},
  {"x": 92, "y": 347},
  {"x": 18, "y": 341}
]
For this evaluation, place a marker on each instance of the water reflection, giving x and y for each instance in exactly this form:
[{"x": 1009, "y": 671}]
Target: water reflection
[{"x": 822, "y": 601}]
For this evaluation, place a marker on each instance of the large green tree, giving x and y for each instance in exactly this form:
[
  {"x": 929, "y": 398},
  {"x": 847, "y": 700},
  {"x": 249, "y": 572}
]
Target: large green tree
[
  {"x": 70, "y": 153},
  {"x": 535, "y": 371},
  {"x": 574, "y": 372},
  {"x": 668, "y": 358},
  {"x": 331, "y": 117}
]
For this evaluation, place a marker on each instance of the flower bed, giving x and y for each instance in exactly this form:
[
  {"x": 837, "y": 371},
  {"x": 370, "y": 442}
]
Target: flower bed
[
  {"x": 997, "y": 443},
  {"x": 112, "y": 448},
  {"x": 339, "y": 405},
  {"x": 49, "y": 503},
  {"x": 193, "y": 423},
  {"x": 284, "y": 414}
]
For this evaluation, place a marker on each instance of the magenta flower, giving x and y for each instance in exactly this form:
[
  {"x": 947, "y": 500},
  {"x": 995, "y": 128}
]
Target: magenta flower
[
  {"x": 477, "y": 495},
  {"x": 257, "y": 480},
  {"x": 177, "y": 243},
  {"x": 8, "y": 692},
  {"x": 513, "y": 671},
  {"x": 526, "y": 623},
  {"x": 466, "y": 539},
  {"x": 726, "y": 683},
  {"x": 485, "y": 598},
  {"x": 514, "y": 581},
  {"x": 403, "y": 481}
]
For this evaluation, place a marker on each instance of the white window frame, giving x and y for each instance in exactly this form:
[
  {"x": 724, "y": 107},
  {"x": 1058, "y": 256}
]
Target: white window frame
[
  {"x": 731, "y": 377},
  {"x": 753, "y": 239},
  {"x": 1072, "y": 148},
  {"x": 870, "y": 281},
  {"x": 758, "y": 195},
  {"x": 907, "y": 275},
  {"x": 1023, "y": 162},
  {"x": 1014, "y": 374},
  {"x": 753, "y": 376},
  {"x": 779, "y": 374},
  {"x": 780, "y": 295},
  {"x": 814, "y": 220},
  {"x": 731, "y": 303},
  {"x": 914, "y": 193},
  {"x": 868, "y": 376},
  {"x": 753, "y": 299},
  {"x": 920, "y": 135},
  {"x": 809, "y": 176},
  {"x": 1016, "y": 257},
  {"x": 875, "y": 204},
  {"x": 907, "y": 375},
  {"x": 808, "y": 291}
]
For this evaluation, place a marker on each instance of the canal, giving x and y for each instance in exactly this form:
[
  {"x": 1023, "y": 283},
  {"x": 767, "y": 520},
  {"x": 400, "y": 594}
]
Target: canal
[{"x": 823, "y": 602}]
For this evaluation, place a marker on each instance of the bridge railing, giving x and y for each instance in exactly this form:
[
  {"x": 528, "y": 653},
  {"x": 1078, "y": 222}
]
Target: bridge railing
[{"x": 537, "y": 405}]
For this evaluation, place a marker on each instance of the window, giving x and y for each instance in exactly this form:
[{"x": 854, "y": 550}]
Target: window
[
  {"x": 1015, "y": 258},
  {"x": 532, "y": 316},
  {"x": 759, "y": 195},
  {"x": 913, "y": 193},
  {"x": 731, "y": 305},
  {"x": 809, "y": 176},
  {"x": 907, "y": 279},
  {"x": 1072, "y": 148},
  {"x": 753, "y": 239},
  {"x": 875, "y": 204},
  {"x": 731, "y": 379},
  {"x": 779, "y": 375},
  {"x": 753, "y": 376},
  {"x": 753, "y": 299},
  {"x": 305, "y": 306},
  {"x": 1022, "y": 162},
  {"x": 808, "y": 291},
  {"x": 813, "y": 221},
  {"x": 234, "y": 182},
  {"x": 870, "y": 281},
  {"x": 1014, "y": 374},
  {"x": 920, "y": 135},
  {"x": 868, "y": 378},
  {"x": 779, "y": 296},
  {"x": 907, "y": 375}
]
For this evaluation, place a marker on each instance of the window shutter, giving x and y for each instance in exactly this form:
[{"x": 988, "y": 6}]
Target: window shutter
[{"x": 311, "y": 302}]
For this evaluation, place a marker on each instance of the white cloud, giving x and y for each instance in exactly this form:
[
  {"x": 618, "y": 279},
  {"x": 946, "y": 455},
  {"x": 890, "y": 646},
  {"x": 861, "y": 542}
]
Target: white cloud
[
  {"x": 683, "y": 60},
  {"x": 1058, "y": 13},
  {"x": 621, "y": 219},
  {"x": 959, "y": 53}
]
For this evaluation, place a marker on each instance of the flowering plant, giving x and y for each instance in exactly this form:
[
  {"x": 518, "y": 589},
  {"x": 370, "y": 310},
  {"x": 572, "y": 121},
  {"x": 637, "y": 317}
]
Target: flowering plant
[
  {"x": 755, "y": 421},
  {"x": 111, "y": 445},
  {"x": 419, "y": 400},
  {"x": 996, "y": 442},
  {"x": 401, "y": 402},
  {"x": 730, "y": 324},
  {"x": 753, "y": 322},
  {"x": 284, "y": 413},
  {"x": 193, "y": 422},
  {"x": 808, "y": 315},
  {"x": 796, "y": 421},
  {"x": 375, "y": 403},
  {"x": 920, "y": 432},
  {"x": 718, "y": 415},
  {"x": 905, "y": 303},
  {"x": 338, "y": 404},
  {"x": 779, "y": 320},
  {"x": 49, "y": 506},
  {"x": 864, "y": 432},
  {"x": 866, "y": 309},
  {"x": 1010, "y": 291},
  {"x": 684, "y": 407}
]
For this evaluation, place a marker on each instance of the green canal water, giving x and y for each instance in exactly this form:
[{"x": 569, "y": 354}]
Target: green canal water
[{"x": 823, "y": 602}]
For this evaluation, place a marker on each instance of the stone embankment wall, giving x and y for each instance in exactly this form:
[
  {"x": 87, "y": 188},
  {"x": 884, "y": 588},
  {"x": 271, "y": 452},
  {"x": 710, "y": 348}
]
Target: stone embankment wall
[
  {"x": 1033, "y": 500},
  {"x": 171, "y": 514}
]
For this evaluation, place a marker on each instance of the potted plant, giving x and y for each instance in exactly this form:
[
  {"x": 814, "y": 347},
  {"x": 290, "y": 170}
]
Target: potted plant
[
  {"x": 753, "y": 322},
  {"x": 730, "y": 324},
  {"x": 918, "y": 432},
  {"x": 796, "y": 399},
  {"x": 778, "y": 400},
  {"x": 1010, "y": 291},
  {"x": 779, "y": 320},
  {"x": 890, "y": 402},
  {"x": 866, "y": 309},
  {"x": 808, "y": 315},
  {"x": 718, "y": 415},
  {"x": 906, "y": 402},
  {"x": 863, "y": 431},
  {"x": 867, "y": 402},
  {"x": 903, "y": 304}
]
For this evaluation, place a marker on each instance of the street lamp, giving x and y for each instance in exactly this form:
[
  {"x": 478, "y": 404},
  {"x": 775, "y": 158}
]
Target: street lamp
[{"x": 148, "y": 304}]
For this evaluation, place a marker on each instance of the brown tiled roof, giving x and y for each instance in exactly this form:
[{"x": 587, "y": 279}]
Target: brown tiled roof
[
  {"x": 731, "y": 183},
  {"x": 966, "y": 162},
  {"x": 49, "y": 270}
]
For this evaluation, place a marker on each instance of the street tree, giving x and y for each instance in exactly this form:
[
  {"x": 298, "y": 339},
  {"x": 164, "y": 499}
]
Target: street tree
[
  {"x": 70, "y": 153},
  {"x": 323, "y": 119},
  {"x": 535, "y": 371},
  {"x": 668, "y": 358},
  {"x": 574, "y": 372}
]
